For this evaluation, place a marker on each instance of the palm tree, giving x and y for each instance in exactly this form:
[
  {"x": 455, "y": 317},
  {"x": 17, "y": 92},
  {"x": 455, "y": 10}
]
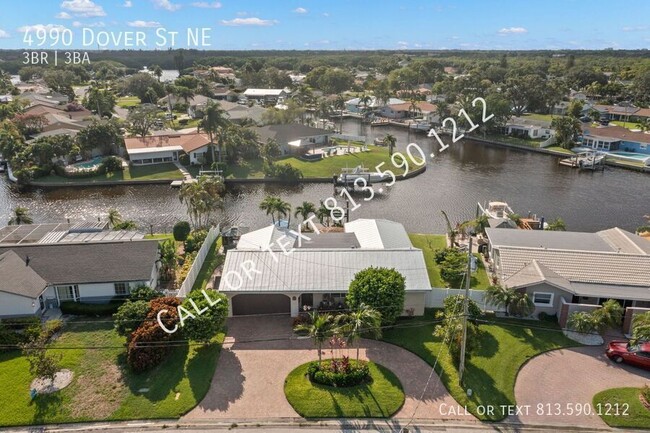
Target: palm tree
[
  {"x": 365, "y": 100},
  {"x": 304, "y": 210},
  {"x": 414, "y": 107},
  {"x": 522, "y": 305},
  {"x": 114, "y": 218},
  {"x": 323, "y": 214},
  {"x": 168, "y": 258},
  {"x": 478, "y": 225},
  {"x": 557, "y": 225},
  {"x": 608, "y": 316},
  {"x": 185, "y": 93},
  {"x": 282, "y": 208},
  {"x": 390, "y": 140},
  {"x": 319, "y": 329},
  {"x": 516, "y": 218},
  {"x": 581, "y": 321},
  {"x": 363, "y": 320},
  {"x": 499, "y": 296},
  {"x": 269, "y": 205},
  {"x": 157, "y": 71},
  {"x": 20, "y": 216},
  {"x": 339, "y": 104},
  {"x": 641, "y": 327},
  {"x": 213, "y": 122},
  {"x": 644, "y": 124}
]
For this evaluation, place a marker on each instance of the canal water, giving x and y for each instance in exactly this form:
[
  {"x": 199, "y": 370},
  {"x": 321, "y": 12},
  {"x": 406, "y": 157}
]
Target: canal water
[{"x": 455, "y": 180}]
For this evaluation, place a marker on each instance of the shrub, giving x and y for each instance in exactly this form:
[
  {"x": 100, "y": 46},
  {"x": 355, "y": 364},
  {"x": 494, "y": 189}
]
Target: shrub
[
  {"x": 144, "y": 293},
  {"x": 379, "y": 288},
  {"x": 184, "y": 159},
  {"x": 186, "y": 266},
  {"x": 9, "y": 337},
  {"x": 285, "y": 173},
  {"x": 545, "y": 317},
  {"x": 340, "y": 373},
  {"x": 205, "y": 325},
  {"x": 50, "y": 328},
  {"x": 130, "y": 316},
  {"x": 195, "y": 240},
  {"x": 645, "y": 392},
  {"x": 86, "y": 309},
  {"x": 112, "y": 164},
  {"x": 181, "y": 231},
  {"x": 146, "y": 347}
]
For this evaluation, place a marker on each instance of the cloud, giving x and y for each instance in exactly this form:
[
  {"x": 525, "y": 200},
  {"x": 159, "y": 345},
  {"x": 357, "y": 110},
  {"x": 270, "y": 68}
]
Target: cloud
[
  {"x": 83, "y": 8},
  {"x": 144, "y": 24},
  {"x": 635, "y": 28},
  {"x": 300, "y": 10},
  {"x": 512, "y": 31},
  {"x": 326, "y": 14},
  {"x": 206, "y": 5},
  {"x": 63, "y": 16},
  {"x": 242, "y": 14},
  {"x": 37, "y": 27},
  {"x": 253, "y": 21},
  {"x": 3, "y": 34},
  {"x": 166, "y": 4},
  {"x": 88, "y": 25},
  {"x": 128, "y": 4}
]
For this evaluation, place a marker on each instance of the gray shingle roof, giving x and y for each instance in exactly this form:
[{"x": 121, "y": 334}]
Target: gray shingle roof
[
  {"x": 547, "y": 239},
  {"x": 289, "y": 132},
  {"x": 90, "y": 262},
  {"x": 19, "y": 279}
]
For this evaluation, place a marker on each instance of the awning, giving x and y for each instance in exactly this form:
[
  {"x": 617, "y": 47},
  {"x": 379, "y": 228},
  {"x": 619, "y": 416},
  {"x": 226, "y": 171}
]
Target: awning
[{"x": 295, "y": 143}]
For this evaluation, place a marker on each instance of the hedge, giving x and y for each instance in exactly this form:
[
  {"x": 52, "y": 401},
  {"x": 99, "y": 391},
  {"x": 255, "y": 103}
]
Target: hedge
[{"x": 86, "y": 309}]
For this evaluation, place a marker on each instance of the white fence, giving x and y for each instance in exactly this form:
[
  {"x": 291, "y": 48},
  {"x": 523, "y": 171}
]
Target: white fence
[
  {"x": 186, "y": 287},
  {"x": 436, "y": 297}
]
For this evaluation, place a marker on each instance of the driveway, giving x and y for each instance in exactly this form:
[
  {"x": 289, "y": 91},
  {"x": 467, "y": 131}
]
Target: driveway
[
  {"x": 561, "y": 378},
  {"x": 259, "y": 353}
]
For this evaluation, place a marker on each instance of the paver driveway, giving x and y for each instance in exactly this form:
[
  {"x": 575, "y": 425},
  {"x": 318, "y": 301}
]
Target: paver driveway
[
  {"x": 249, "y": 380},
  {"x": 569, "y": 377}
]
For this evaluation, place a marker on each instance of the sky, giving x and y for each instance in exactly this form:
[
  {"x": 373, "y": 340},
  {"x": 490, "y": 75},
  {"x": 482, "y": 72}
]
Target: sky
[{"x": 331, "y": 24}]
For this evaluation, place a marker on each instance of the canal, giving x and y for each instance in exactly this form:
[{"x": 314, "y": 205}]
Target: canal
[{"x": 455, "y": 180}]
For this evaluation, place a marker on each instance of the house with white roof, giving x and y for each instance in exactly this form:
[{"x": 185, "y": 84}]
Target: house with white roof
[
  {"x": 355, "y": 105},
  {"x": 266, "y": 96},
  {"x": 317, "y": 272},
  {"x": 565, "y": 271}
]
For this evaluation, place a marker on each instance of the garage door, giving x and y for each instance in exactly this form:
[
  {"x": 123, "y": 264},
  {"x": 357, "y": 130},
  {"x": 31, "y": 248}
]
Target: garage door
[{"x": 260, "y": 304}]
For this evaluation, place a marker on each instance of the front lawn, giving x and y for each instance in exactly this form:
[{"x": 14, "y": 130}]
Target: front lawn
[
  {"x": 561, "y": 150},
  {"x": 529, "y": 142},
  {"x": 212, "y": 260},
  {"x": 621, "y": 407},
  {"x": 166, "y": 171},
  {"x": 128, "y": 101},
  {"x": 491, "y": 371},
  {"x": 103, "y": 388},
  {"x": 379, "y": 399},
  {"x": 429, "y": 244}
]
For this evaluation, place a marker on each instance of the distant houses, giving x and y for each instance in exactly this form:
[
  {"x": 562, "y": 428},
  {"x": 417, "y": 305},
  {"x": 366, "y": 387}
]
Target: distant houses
[
  {"x": 616, "y": 138},
  {"x": 266, "y": 96}
]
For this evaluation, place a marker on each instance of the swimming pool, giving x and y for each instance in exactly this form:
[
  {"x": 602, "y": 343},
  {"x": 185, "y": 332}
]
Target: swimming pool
[
  {"x": 89, "y": 164},
  {"x": 639, "y": 156}
]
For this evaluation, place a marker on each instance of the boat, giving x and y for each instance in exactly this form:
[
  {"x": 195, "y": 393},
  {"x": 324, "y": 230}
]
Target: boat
[
  {"x": 349, "y": 176},
  {"x": 379, "y": 141},
  {"x": 500, "y": 210},
  {"x": 496, "y": 209},
  {"x": 420, "y": 126}
]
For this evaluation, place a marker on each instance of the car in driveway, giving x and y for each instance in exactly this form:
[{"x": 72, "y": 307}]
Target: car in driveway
[{"x": 634, "y": 354}]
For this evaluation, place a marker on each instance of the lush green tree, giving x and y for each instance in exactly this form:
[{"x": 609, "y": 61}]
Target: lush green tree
[
  {"x": 138, "y": 85},
  {"x": 168, "y": 261},
  {"x": 453, "y": 267},
  {"x": 390, "y": 140},
  {"x": 20, "y": 216},
  {"x": 214, "y": 122},
  {"x": 304, "y": 210},
  {"x": 270, "y": 150},
  {"x": 381, "y": 289},
  {"x": 41, "y": 364},
  {"x": 319, "y": 328},
  {"x": 144, "y": 293},
  {"x": 641, "y": 327},
  {"x": 45, "y": 149},
  {"x": 100, "y": 101},
  {"x": 130, "y": 316},
  {"x": 112, "y": 164},
  {"x": 360, "y": 321},
  {"x": 575, "y": 108},
  {"x": 557, "y": 225},
  {"x": 204, "y": 326},
  {"x": 202, "y": 199},
  {"x": 141, "y": 119},
  {"x": 567, "y": 129},
  {"x": 103, "y": 135},
  {"x": 181, "y": 231},
  {"x": 523, "y": 92},
  {"x": 451, "y": 327}
]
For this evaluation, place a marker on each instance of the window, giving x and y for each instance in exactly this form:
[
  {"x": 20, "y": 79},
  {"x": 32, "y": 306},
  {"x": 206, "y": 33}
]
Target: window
[
  {"x": 543, "y": 299},
  {"x": 121, "y": 289}
]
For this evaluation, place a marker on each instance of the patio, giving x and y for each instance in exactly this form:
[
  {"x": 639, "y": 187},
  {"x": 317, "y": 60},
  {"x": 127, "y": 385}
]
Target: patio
[{"x": 338, "y": 150}]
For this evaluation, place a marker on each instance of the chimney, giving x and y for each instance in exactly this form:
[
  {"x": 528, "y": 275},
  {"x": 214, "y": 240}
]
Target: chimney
[{"x": 27, "y": 261}]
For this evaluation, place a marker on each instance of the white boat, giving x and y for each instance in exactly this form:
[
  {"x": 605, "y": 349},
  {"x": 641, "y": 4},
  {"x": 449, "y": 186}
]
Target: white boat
[
  {"x": 421, "y": 126},
  {"x": 379, "y": 141},
  {"x": 348, "y": 176},
  {"x": 496, "y": 209}
]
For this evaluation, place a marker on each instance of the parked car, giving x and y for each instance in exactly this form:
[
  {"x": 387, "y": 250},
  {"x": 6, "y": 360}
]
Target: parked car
[
  {"x": 633, "y": 354},
  {"x": 585, "y": 119}
]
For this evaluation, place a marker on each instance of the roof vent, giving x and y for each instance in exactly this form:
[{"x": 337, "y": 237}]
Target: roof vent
[{"x": 27, "y": 260}]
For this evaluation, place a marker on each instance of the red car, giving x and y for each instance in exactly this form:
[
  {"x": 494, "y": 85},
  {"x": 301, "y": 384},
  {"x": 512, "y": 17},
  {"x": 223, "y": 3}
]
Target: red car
[{"x": 633, "y": 354}]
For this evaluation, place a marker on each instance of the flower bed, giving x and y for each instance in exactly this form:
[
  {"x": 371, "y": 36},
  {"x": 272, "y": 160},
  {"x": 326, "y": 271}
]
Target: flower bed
[{"x": 339, "y": 372}]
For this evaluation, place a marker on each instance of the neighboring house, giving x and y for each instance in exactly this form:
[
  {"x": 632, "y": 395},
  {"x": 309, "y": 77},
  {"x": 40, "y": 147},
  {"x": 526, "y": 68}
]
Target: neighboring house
[
  {"x": 223, "y": 93},
  {"x": 51, "y": 99},
  {"x": 51, "y": 233},
  {"x": 36, "y": 277},
  {"x": 57, "y": 118},
  {"x": 559, "y": 270},
  {"x": 623, "y": 113},
  {"x": 5, "y": 99},
  {"x": 355, "y": 105},
  {"x": 529, "y": 128},
  {"x": 266, "y": 96},
  {"x": 294, "y": 137},
  {"x": 318, "y": 273},
  {"x": 156, "y": 149},
  {"x": 404, "y": 110},
  {"x": 616, "y": 138}
]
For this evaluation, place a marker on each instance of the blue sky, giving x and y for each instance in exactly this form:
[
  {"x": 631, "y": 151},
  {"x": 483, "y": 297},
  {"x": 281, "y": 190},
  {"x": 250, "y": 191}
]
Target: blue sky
[{"x": 345, "y": 24}]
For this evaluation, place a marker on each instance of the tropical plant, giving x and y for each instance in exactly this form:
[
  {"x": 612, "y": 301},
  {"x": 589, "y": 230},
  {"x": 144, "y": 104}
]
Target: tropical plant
[
  {"x": 206, "y": 325},
  {"x": 362, "y": 320},
  {"x": 557, "y": 225},
  {"x": 20, "y": 216},
  {"x": 213, "y": 123},
  {"x": 521, "y": 305},
  {"x": 168, "y": 260},
  {"x": 451, "y": 327},
  {"x": 339, "y": 104},
  {"x": 304, "y": 210},
  {"x": 608, "y": 316},
  {"x": 414, "y": 107},
  {"x": 275, "y": 206},
  {"x": 129, "y": 316},
  {"x": 514, "y": 302},
  {"x": 202, "y": 199},
  {"x": 390, "y": 140},
  {"x": 114, "y": 217},
  {"x": 582, "y": 321},
  {"x": 641, "y": 327},
  {"x": 382, "y": 289},
  {"x": 499, "y": 296},
  {"x": 181, "y": 231},
  {"x": 477, "y": 225},
  {"x": 41, "y": 364},
  {"x": 319, "y": 328},
  {"x": 451, "y": 232}
]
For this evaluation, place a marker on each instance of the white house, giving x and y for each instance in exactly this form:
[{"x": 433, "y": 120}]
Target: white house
[
  {"x": 266, "y": 95},
  {"x": 156, "y": 149},
  {"x": 294, "y": 137},
  {"x": 403, "y": 110},
  {"x": 318, "y": 271},
  {"x": 355, "y": 105},
  {"x": 36, "y": 277}
]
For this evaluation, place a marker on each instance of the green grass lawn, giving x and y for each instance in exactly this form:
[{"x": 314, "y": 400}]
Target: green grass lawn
[
  {"x": 621, "y": 407},
  {"x": 628, "y": 125},
  {"x": 212, "y": 260},
  {"x": 429, "y": 244},
  {"x": 492, "y": 369},
  {"x": 535, "y": 116},
  {"x": 560, "y": 149},
  {"x": 128, "y": 101},
  {"x": 166, "y": 171},
  {"x": 102, "y": 387},
  {"x": 515, "y": 140},
  {"x": 160, "y": 236},
  {"x": 379, "y": 399}
]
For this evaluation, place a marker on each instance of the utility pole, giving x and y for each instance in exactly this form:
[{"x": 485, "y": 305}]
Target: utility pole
[{"x": 461, "y": 367}]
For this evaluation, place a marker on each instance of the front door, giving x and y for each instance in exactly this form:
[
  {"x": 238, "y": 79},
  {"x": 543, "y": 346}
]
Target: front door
[{"x": 41, "y": 303}]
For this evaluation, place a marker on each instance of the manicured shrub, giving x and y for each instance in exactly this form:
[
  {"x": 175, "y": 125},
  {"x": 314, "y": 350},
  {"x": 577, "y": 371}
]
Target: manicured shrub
[
  {"x": 340, "y": 373},
  {"x": 147, "y": 348},
  {"x": 184, "y": 159},
  {"x": 10, "y": 337},
  {"x": 545, "y": 317},
  {"x": 181, "y": 231},
  {"x": 645, "y": 392},
  {"x": 195, "y": 240},
  {"x": 50, "y": 328},
  {"x": 87, "y": 309},
  {"x": 112, "y": 164},
  {"x": 144, "y": 293},
  {"x": 130, "y": 316},
  {"x": 381, "y": 289},
  {"x": 205, "y": 325}
]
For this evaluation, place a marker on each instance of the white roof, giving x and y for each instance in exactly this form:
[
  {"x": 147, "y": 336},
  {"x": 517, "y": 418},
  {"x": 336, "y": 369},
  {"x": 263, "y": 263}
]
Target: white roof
[
  {"x": 379, "y": 234},
  {"x": 374, "y": 102},
  {"x": 263, "y": 92},
  {"x": 153, "y": 150},
  {"x": 261, "y": 239},
  {"x": 314, "y": 270}
]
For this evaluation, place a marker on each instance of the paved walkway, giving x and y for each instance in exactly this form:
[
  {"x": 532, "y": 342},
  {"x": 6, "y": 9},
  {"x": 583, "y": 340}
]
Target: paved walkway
[
  {"x": 561, "y": 378},
  {"x": 186, "y": 174},
  {"x": 249, "y": 380}
]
